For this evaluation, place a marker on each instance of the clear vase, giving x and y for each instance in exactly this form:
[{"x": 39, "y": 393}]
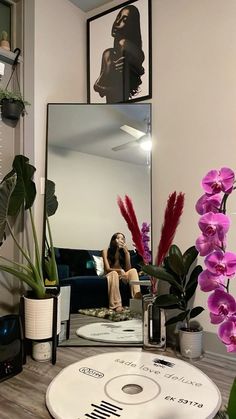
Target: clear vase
[{"x": 154, "y": 330}]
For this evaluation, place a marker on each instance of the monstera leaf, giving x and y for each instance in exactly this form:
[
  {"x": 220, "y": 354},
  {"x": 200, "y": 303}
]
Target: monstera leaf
[
  {"x": 51, "y": 199},
  {"x": 24, "y": 192},
  {"x": 6, "y": 189}
]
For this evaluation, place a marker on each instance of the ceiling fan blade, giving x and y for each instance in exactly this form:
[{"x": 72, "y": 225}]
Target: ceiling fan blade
[
  {"x": 132, "y": 131},
  {"x": 126, "y": 145}
]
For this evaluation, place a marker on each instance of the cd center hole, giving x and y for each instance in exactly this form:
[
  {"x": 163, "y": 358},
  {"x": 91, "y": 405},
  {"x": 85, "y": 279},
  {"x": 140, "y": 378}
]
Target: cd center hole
[{"x": 132, "y": 389}]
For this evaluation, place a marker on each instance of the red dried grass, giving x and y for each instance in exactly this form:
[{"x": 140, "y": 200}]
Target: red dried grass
[
  {"x": 173, "y": 212},
  {"x": 127, "y": 211}
]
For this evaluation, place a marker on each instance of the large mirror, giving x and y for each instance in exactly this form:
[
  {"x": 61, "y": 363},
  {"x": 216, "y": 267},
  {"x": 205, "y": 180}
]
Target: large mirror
[{"x": 95, "y": 153}]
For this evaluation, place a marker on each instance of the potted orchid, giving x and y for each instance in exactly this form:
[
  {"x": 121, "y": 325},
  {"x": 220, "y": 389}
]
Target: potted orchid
[{"x": 220, "y": 264}]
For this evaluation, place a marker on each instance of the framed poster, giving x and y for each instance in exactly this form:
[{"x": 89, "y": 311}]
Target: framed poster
[{"x": 119, "y": 54}]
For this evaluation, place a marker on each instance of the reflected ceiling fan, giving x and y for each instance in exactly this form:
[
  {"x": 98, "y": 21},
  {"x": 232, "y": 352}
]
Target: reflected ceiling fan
[{"x": 142, "y": 139}]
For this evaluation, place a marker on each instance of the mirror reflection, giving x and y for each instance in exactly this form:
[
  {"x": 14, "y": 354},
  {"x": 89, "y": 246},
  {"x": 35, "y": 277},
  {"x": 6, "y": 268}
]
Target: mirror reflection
[{"x": 95, "y": 153}]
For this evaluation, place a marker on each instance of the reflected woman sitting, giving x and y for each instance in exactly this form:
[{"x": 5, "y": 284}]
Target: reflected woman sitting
[
  {"x": 121, "y": 68},
  {"x": 118, "y": 267}
]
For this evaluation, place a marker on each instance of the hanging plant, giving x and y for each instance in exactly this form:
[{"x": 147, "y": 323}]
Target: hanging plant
[{"x": 12, "y": 102}]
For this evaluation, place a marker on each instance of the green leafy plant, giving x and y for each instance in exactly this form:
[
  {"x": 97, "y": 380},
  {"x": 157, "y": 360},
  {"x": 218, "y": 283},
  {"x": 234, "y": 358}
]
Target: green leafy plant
[
  {"x": 50, "y": 264},
  {"x": 178, "y": 271},
  {"x": 14, "y": 96},
  {"x": 17, "y": 193},
  {"x": 229, "y": 411}
]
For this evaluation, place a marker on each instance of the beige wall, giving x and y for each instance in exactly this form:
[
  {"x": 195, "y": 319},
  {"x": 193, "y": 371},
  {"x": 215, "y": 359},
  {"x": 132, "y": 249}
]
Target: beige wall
[
  {"x": 194, "y": 103},
  {"x": 194, "y": 94},
  {"x": 59, "y": 68},
  {"x": 88, "y": 208},
  {"x": 193, "y": 108}
]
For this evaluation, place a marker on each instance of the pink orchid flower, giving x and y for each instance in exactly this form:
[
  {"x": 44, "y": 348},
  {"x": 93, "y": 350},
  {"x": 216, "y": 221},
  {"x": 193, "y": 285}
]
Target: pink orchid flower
[
  {"x": 220, "y": 263},
  {"x": 227, "y": 333},
  {"x": 208, "y": 203},
  {"x": 221, "y": 303},
  {"x": 217, "y": 318},
  {"x": 206, "y": 245},
  {"x": 209, "y": 282},
  {"x": 214, "y": 225},
  {"x": 218, "y": 181}
]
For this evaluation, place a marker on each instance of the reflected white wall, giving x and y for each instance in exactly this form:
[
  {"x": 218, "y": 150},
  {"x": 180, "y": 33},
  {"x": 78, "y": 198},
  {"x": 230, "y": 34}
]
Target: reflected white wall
[{"x": 87, "y": 187}]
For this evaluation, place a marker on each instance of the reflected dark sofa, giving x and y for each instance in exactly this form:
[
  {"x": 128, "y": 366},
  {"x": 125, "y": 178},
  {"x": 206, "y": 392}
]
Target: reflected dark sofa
[{"x": 76, "y": 267}]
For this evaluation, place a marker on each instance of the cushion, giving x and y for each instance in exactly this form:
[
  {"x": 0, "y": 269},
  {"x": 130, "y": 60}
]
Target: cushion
[
  {"x": 99, "y": 265},
  {"x": 76, "y": 260}
]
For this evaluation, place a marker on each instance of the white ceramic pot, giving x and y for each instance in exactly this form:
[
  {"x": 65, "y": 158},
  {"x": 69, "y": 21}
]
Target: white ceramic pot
[
  {"x": 42, "y": 351},
  {"x": 191, "y": 343},
  {"x": 39, "y": 317}
]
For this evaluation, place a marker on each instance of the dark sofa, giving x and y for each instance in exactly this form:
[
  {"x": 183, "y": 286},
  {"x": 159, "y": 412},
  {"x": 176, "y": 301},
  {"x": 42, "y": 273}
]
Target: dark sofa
[{"x": 77, "y": 268}]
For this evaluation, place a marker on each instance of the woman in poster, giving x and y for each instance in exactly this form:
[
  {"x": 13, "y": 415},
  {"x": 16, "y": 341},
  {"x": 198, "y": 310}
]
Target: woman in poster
[{"x": 121, "y": 68}]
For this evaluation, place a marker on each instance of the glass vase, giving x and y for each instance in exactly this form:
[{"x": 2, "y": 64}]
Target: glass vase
[{"x": 154, "y": 330}]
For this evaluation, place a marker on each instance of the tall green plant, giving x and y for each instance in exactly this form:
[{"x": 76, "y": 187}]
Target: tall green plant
[
  {"x": 17, "y": 193},
  {"x": 178, "y": 271},
  {"x": 51, "y": 207}
]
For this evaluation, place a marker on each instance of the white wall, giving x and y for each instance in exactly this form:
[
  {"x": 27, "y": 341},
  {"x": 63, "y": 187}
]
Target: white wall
[
  {"x": 87, "y": 190},
  {"x": 59, "y": 69},
  {"x": 194, "y": 107},
  {"x": 194, "y": 94},
  {"x": 194, "y": 104}
]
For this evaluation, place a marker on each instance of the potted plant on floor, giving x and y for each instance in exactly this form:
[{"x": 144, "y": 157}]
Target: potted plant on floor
[
  {"x": 17, "y": 193},
  {"x": 179, "y": 272}
]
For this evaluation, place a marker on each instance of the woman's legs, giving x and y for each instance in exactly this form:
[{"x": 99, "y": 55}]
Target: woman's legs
[
  {"x": 132, "y": 275},
  {"x": 114, "y": 296}
]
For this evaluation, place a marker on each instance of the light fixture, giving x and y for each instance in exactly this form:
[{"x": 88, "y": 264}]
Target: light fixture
[{"x": 145, "y": 142}]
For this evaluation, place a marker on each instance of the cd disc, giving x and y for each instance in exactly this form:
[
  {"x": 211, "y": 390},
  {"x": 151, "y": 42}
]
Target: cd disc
[
  {"x": 133, "y": 385},
  {"x": 129, "y": 331}
]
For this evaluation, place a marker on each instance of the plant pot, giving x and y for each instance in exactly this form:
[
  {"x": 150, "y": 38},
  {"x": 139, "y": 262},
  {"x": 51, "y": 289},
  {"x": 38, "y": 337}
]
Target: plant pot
[
  {"x": 41, "y": 351},
  {"x": 191, "y": 343},
  {"x": 38, "y": 314},
  {"x": 12, "y": 109}
]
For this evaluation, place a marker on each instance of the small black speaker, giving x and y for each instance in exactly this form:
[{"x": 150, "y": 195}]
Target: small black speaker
[{"x": 11, "y": 346}]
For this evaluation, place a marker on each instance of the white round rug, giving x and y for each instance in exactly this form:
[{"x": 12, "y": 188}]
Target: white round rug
[
  {"x": 129, "y": 331},
  {"x": 132, "y": 385}
]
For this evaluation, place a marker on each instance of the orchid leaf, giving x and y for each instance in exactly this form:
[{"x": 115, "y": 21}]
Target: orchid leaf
[
  {"x": 231, "y": 409},
  {"x": 166, "y": 301},
  {"x": 193, "y": 282},
  {"x": 189, "y": 257},
  {"x": 160, "y": 273},
  {"x": 6, "y": 189},
  {"x": 51, "y": 199},
  {"x": 25, "y": 191},
  {"x": 196, "y": 311},
  {"x": 178, "y": 318},
  {"x": 175, "y": 260}
]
